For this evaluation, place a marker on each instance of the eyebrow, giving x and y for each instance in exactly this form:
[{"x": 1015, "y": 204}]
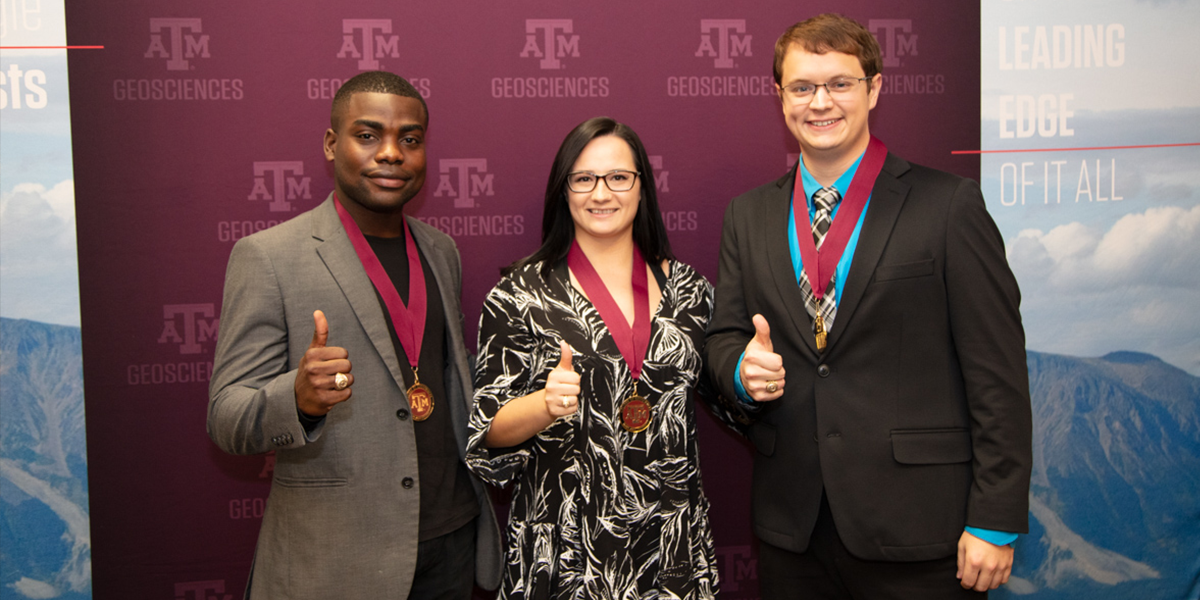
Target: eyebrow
[
  {"x": 378, "y": 125},
  {"x": 835, "y": 77}
]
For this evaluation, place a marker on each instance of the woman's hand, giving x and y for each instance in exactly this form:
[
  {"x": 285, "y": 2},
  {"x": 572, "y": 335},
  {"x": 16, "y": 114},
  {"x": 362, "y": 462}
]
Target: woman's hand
[
  {"x": 522, "y": 418},
  {"x": 562, "y": 386}
]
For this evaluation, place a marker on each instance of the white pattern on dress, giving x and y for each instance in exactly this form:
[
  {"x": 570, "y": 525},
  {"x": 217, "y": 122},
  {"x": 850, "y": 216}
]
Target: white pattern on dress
[{"x": 597, "y": 512}]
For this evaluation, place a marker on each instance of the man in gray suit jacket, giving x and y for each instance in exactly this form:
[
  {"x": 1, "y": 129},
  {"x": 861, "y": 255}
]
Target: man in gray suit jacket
[
  {"x": 341, "y": 349},
  {"x": 894, "y": 459}
]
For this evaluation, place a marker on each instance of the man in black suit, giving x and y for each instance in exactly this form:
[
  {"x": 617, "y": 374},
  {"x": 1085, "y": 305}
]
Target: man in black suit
[{"x": 894, "y": 460}]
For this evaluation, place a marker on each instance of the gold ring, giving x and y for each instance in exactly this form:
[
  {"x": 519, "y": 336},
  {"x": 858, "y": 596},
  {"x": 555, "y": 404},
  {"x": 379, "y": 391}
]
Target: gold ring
[
  {"x": 772, "y": 387},
  {"x": 340, "y": 381},
  {"x": 565, "y": 403}
]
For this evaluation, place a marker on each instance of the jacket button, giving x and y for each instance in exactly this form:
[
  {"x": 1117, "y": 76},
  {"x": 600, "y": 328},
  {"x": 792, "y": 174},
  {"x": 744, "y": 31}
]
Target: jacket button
[
  {"x": 402, "y": 414},
  {"x": 407, "y": 482},
  {"x": 823, "y": 370}
]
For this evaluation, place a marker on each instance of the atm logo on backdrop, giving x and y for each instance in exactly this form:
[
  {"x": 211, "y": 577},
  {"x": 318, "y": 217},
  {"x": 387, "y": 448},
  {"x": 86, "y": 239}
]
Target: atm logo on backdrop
[
  {"x": 551, "y": 42},
  {"x": 896, "y": 39},
  {"x": 731, "y": 41},
  {"x": 739, "y": 570},
  {"x": 897, "y": 43},
  {"x": 662, "y": 178},
  {"x": 199, "y": 590},
  {"x": 722, "y": 40},
  {"x": 279, "y": 181},
  {"x": 557, "y": 42},
  {"x": 187, "y": 328},
  {"x": 276, "y": 183},
  {"x": 183, "y": 41},
  {"x": 365, "y": 41},
  {"x": 368, "y": 40},
  {"x": 464, "y": 179},
  {"x": 673, "y": 220},
  {"x": 180, "y": 44}
]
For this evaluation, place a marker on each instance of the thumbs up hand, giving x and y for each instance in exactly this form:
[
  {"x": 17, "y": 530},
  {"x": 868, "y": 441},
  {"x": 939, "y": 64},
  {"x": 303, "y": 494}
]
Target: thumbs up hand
[
  {"x": 323, "y": 378},
  {"x": 562, "y": 386},
  {"x": 762, "y": 369}
]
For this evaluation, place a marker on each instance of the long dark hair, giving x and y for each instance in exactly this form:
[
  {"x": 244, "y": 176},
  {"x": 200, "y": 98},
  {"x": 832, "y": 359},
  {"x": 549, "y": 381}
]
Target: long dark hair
[{"x": 558, "y": 228}]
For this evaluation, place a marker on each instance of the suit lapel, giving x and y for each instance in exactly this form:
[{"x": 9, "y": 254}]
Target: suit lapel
[
  {"x": 444, "y": 274},
  {"x": 887, "y": 198},
  {"x": 345, "y": 267},
  {"x": 441, "y": 270},
  {"x": 780, "y": 260}
]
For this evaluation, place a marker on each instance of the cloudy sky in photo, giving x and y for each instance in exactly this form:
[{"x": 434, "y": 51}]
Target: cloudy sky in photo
[
  {"x": 1104, "y": 243},
  {"x": 38, "y": 263}
]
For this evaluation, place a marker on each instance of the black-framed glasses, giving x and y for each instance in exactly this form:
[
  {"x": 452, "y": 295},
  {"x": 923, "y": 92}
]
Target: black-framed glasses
[
  {"x": 803, "y": 91},
  {"x": 617, "y": 181}
]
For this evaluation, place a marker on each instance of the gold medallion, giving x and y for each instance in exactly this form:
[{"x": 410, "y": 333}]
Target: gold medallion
[
  {"x": 420, "y": 401},
  {"x": 819, "y": 331},
  {"x": 636, "y": 413}
]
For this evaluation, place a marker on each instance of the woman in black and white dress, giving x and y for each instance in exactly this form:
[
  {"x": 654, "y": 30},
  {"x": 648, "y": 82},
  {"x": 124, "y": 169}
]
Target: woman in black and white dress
[{"x": 589, "y": 351}]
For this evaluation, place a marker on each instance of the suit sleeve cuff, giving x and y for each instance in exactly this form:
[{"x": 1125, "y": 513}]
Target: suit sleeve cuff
[
  {"x": 737, "y": 382},
  {"x": 991, "y": 536},
  {"x": 310, "y": 424}
]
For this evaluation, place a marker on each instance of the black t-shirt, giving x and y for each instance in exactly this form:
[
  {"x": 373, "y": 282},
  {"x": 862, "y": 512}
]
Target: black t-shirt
[{"x": 447, "y": 498}]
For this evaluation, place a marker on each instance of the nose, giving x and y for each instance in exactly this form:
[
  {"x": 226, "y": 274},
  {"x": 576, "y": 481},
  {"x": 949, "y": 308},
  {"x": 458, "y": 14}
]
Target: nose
[
  {"x": 389, "y": 151},
  {"x": 821, "y": 97},
  {"x": 602, "y": 192}
]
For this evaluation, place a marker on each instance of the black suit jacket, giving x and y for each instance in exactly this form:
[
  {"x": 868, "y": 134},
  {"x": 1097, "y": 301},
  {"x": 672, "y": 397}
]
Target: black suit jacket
[{"x": 916, "y": 419}]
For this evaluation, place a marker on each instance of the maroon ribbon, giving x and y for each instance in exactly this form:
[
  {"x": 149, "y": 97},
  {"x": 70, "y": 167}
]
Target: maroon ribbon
[
  {"x": 631, "y": 341},
  {"x": 409, "y": 321},
  {"x": 826, "y": 259}
]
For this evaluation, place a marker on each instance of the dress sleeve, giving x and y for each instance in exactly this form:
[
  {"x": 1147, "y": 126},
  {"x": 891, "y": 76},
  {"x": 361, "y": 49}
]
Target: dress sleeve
[{"x": 503, "y": 371}]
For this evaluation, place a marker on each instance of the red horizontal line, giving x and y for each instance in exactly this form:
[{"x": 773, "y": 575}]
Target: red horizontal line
[
  {"x": 1070, "y": 149},
  {"x": 51, "y": 47}
]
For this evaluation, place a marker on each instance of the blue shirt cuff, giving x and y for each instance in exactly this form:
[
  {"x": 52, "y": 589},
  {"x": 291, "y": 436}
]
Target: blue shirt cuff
[
  {"x": 738, "y": 388},
  {"x": 998, "y": 538}
]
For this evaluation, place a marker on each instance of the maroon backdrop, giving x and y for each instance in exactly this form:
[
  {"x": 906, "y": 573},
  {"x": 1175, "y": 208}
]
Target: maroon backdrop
[{"x": 196, "y": 126}]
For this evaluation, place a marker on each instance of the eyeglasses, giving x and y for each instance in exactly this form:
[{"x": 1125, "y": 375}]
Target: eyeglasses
[
  {"x": 803, "y": 91},
  {"x": 617, "y": 181}
]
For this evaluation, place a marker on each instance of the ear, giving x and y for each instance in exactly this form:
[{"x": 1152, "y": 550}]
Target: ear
[
  {"x": 330, "y": 144},
  {"x": 876, "y": 86}
]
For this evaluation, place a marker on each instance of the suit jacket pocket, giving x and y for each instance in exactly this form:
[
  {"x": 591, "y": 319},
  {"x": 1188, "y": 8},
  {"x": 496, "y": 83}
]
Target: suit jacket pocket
[
  {"x": 931, "y": 446},
  {"x": 310, "y": 482},
  {"x": 763, "y": 437},
  {"x": 920, "y": 268}
]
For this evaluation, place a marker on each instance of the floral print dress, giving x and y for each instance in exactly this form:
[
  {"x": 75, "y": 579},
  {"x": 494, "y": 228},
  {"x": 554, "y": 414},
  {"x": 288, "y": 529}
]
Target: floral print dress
[{"x": 597, "y": 511}]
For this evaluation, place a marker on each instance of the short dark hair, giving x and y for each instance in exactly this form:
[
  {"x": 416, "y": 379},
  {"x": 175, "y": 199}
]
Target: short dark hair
[
  {"x": 380, "y": 82},
  {"x": 831, "y": 32},
  {"x": 558, "y": 228}
]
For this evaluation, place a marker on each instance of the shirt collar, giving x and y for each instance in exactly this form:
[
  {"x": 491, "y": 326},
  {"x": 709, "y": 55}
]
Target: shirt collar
[{"x": 842, "y": 184}]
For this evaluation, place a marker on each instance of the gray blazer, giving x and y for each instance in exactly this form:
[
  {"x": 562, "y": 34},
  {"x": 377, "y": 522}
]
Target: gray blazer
[{"x": 339, "y": 521}]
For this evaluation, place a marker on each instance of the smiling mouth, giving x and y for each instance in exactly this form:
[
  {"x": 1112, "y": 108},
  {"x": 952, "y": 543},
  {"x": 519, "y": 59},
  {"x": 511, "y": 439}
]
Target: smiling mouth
[
  {"x": 602, "y": 211},
  {"x": 823, "y": 123},
  {"x": 388, "y": 180}
]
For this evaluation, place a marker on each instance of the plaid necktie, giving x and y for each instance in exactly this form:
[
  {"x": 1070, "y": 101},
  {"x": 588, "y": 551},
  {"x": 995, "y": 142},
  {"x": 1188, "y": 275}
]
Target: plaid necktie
[{"x": 825, "y": 200}]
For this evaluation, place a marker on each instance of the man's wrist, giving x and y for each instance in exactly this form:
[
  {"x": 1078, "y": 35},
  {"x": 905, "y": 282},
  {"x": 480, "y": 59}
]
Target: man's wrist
[
  {"x": 738, "y": 388},
  {"x": 991, "y": 536}
]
